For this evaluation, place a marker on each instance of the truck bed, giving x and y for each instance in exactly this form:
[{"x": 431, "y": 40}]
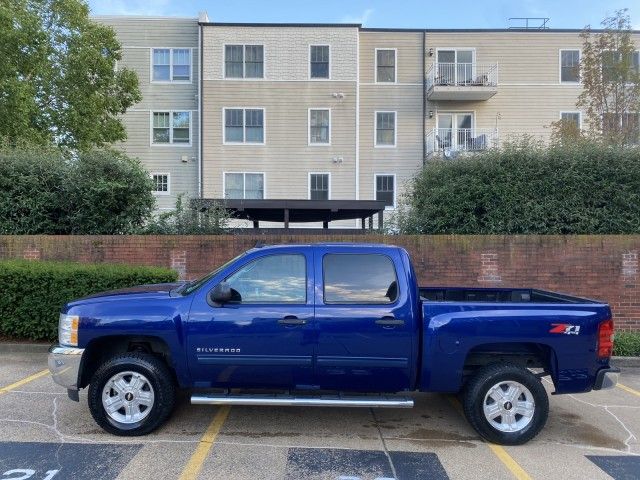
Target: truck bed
[{"x": 497, "y": 295}]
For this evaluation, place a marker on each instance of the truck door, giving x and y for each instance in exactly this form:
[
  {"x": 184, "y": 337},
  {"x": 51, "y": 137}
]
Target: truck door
[
  {"x": 365, "y": 320},
  {"x": 264, "y": 337}
]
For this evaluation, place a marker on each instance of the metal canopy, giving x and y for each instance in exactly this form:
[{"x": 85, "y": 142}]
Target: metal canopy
[{"x": 302, "y": 211}]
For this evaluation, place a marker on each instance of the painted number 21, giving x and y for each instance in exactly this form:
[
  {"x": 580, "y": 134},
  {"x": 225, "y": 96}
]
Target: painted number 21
[{"x": 24, "y": 473}]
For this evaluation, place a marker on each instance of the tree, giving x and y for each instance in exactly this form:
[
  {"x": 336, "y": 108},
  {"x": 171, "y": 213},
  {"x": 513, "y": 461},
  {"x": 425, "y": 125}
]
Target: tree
[
  {"x": 610, "y": 75},
  {"x": 58, "y": 81},
  {"x": 192, "y": 219},
  {"x": 97, "y": 192}
]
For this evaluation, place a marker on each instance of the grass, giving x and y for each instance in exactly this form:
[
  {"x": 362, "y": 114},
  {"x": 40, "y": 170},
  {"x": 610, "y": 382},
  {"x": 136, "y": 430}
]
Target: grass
[{"x": 627, "y": 344}]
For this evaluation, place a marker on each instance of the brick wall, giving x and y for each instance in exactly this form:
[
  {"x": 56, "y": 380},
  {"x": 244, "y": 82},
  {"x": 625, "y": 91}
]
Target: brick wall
[{"x": 601, "y": 267}]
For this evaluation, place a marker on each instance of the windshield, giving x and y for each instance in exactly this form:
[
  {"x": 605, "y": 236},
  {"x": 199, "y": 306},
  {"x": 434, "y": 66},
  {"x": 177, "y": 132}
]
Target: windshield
[{"x": 196, "y": 284}]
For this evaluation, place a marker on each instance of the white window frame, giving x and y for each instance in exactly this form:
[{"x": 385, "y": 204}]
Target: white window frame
[
  {"x": 171, "y": 49},
  {"x": 244, "y": 184},
  {"x": 168, "y": 175},
  {"x": 573, "y": 111},
  {"x": 170, "y": 144},
  {"x": 375, "y": 66},
  {"x": 567, "y": 82},
  {"x": 456, "y": 50},
  {"x": 395, "y": 188},
  {"x": 309, "y": 128},
  {"x": 395, "y": 129},
  {"x": 244, "y": 63},
  {"x": 309, "y": 59},
  {"x": 328, "y": 184},
  {"x": 244, "y": 127}
]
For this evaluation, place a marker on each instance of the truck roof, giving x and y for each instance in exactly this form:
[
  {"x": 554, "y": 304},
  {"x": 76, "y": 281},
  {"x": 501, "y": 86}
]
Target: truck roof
[{"x": 327, "y": 244}]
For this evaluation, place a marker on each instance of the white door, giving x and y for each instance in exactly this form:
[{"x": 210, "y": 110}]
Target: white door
[{"x": 455, "y": 130}]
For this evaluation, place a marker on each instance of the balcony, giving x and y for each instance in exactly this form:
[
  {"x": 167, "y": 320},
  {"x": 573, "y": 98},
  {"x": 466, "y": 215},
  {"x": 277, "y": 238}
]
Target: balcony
[
  {"x": 462, "y": 81},
  {"x": 449, "y": 142}
]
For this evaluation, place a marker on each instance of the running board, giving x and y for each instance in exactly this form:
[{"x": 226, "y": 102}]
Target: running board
[{"x": 303, "y": 401}]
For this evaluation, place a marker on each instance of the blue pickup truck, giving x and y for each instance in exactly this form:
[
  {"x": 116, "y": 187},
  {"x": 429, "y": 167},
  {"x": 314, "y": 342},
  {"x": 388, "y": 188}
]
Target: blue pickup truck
[{"x": 330, "y": 325}]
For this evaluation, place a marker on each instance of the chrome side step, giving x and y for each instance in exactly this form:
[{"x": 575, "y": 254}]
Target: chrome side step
[{"x": 389, "y": 401}]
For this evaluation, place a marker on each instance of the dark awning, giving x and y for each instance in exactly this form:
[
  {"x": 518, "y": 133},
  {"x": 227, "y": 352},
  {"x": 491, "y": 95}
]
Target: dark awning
[{"x": 297, "y": 210}]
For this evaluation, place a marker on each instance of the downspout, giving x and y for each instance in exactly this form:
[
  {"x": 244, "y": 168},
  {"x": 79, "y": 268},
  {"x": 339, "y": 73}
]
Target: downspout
[
  {"x": 358, "y": 116},
  {"x": 200, "y": 128},
  {"x": 424, "y": 96}
]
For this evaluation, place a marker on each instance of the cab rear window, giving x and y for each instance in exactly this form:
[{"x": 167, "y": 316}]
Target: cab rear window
[{"x": 359, "y": 279}]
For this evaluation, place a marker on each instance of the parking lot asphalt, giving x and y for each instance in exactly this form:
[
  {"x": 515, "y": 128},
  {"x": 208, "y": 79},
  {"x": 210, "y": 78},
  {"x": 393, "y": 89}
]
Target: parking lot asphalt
[{"x": 44, "y": 435}]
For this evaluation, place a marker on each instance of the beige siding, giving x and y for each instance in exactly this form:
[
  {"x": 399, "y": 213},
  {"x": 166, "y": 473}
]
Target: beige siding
[
  {"x": 404, "y": 97},
  {"x": 285, "y": 158},
  {"x": 138, "y": 36},
  {"x": 286, "y": 95},
  {"x": 286, "y": 50}
]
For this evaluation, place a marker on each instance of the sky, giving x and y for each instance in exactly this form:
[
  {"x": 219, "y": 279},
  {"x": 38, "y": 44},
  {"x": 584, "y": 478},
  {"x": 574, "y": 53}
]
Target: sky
[{"x": 381, "y": 13}]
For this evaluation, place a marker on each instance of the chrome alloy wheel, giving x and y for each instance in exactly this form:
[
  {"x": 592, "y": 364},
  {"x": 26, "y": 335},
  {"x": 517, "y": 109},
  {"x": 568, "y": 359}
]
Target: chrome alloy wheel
[
  {"x": 509, "y": 406},
  {"x": 128, "y": 397}
]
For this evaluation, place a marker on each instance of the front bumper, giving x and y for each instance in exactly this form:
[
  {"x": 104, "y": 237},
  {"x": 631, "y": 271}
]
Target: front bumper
[
  {"x": 606, "y": 378},
  {"x": 64, "y": 365}
]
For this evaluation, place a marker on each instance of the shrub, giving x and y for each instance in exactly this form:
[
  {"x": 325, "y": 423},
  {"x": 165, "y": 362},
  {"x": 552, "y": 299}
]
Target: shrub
[
  {"x": 190, "y": 220},
  {"x": 33, "y": 292},
  {"x": 97, "y": 192},
  {"x": 585, "y": 188},
  {"x": 627, "y": 344}
]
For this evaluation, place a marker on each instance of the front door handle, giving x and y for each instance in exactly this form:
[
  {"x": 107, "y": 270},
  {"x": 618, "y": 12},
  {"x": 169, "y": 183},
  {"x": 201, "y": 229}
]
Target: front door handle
[
  {"x": 292, "y": 320},
  {"x": 389, "y": 322}
]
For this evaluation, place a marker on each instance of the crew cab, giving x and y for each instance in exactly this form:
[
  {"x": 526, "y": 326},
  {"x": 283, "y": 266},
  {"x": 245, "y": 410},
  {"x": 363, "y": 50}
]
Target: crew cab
[{"x": 330, "y": 325}]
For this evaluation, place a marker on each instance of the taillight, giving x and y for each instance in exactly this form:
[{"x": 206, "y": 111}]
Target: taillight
[{"x": 605, "y": 339}]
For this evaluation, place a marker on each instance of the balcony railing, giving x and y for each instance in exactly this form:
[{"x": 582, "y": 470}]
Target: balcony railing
[
  {"x": 448, "y": 140},
  {"x": 462, "y": 81}
]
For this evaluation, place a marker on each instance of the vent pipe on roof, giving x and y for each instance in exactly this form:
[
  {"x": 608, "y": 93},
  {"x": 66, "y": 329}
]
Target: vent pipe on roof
[{"x": 203, "y": 17}]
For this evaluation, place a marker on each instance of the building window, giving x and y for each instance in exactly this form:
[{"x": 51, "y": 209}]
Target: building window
[
  {"x": 385, "y": 190},
  {"x": 319, "y": 61},
  {"x": 385, "y": 66},
  {"x": 570, "y": 66},
  {"x": 160, "y": 183},
  {"x": 627, "y": 125},
  {"x": 319, "y": 127},
  {"x": 244, "y": 125},
  {"x": 171, "y": 65},
  {"x": 319, "y": 186},
  {"x": 385, "y": 129},
  {"x": 573, "y": 117},
  {"x": 244, "y": 61},
  {"x": 244, "y": 185},
  {"x": 610, "y": 61},
  {"x": 171, "y": 128}
]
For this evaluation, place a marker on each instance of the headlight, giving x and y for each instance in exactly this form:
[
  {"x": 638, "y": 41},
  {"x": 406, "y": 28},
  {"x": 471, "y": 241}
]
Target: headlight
[{"x": 68, "y": 330}]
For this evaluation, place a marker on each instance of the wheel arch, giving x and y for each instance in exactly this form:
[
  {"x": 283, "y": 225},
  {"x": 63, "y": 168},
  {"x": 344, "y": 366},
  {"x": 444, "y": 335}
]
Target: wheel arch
[{"x": 100, "y": 349}]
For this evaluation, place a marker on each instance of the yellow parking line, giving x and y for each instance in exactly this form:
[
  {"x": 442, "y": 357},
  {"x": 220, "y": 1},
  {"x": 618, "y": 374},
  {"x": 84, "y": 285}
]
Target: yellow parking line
[
  {"x": 628, "y": 389},
  {"x": 196, "y": 461},
  {"x": 19, "y": 383},
  {"x": 508, "y": 461}
]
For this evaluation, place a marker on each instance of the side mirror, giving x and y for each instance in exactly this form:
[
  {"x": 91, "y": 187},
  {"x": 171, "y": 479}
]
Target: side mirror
[{"x": 221, "y": 293}]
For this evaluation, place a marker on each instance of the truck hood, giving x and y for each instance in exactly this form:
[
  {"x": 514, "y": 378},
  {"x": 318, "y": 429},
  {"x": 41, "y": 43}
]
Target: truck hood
[{"x": 139, "y": 291}]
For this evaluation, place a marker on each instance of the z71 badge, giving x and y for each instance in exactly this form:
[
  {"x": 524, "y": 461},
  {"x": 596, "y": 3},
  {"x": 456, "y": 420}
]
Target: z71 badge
[{"x": 565, "y": 328}]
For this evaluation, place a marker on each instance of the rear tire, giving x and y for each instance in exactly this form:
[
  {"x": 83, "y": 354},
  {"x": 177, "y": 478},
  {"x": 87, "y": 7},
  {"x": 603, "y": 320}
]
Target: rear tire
[
  {"x": 506, "y": 404},
  {"x": 132, "y": 394}
]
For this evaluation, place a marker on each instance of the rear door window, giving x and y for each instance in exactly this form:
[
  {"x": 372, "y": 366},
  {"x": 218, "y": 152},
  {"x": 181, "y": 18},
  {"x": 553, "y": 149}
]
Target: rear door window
[{"x": 359, "y": 279}]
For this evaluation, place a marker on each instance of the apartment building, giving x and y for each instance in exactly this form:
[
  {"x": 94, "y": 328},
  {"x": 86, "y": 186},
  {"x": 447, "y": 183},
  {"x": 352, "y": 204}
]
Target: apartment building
[{"x": 333, "y": 111}]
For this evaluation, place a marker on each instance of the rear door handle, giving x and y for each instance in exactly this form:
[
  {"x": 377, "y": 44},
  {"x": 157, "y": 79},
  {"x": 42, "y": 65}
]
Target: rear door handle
[
  {"x": 390, "y": 322},
  {"x": 292, "y": 320}
]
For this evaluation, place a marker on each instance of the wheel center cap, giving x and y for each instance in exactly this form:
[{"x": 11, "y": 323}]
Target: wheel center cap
[
  {"x": 128, "y": 396},
  {"x": 508, "y": 405}
]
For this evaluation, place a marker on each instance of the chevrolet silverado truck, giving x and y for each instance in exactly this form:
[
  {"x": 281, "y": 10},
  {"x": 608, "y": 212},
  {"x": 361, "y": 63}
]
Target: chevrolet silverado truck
[{"x": 334, "y": 325}]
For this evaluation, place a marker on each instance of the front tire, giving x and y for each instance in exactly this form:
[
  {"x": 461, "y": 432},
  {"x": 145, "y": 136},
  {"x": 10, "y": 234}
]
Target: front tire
[
  {"x": 506, "y": 404},
  {"x": 131, "y": 394}
]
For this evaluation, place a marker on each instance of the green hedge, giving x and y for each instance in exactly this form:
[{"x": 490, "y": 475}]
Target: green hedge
[
  {"x": 527, "y": 189},
  {"x": 34, "y": 291},
  {"x": 627, "y": 344}
]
